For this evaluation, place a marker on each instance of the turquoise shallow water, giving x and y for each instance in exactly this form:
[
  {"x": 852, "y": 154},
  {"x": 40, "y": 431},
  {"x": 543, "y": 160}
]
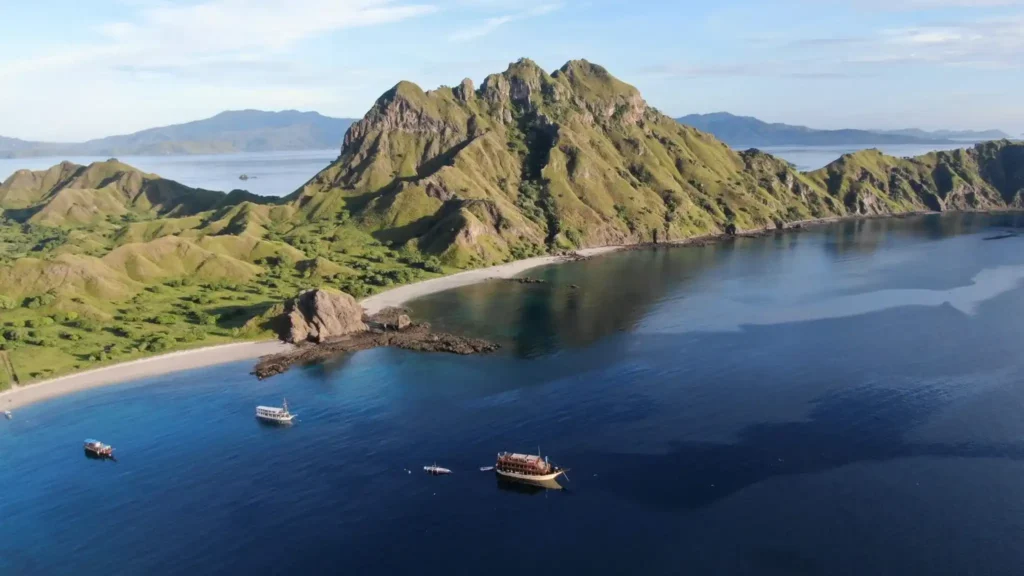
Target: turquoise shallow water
[{"x": 842, "y": 400}]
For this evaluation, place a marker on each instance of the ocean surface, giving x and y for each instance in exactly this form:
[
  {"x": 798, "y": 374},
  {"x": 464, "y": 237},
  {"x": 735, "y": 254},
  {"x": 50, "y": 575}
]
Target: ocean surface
[
  {"x": 844, "y": 400},
  {"x": 270, "y": 173}
]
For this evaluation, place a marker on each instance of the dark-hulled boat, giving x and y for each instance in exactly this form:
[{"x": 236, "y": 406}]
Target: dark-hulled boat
[{"x": 97, "y": 449}]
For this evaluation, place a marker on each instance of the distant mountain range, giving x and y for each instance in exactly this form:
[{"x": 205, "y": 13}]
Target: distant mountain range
[
  {"x": 232, "y": 131},
  {"x": 745, "y": 131}
]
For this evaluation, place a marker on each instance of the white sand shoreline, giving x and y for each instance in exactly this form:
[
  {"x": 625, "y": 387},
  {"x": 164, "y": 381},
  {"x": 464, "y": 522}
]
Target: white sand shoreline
[
  {"x": 402, "y": 294},
  {"x": 21, "y": 396}
]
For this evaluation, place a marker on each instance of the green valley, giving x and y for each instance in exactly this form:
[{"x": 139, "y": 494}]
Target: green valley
[{"x": 103, "y": 263}]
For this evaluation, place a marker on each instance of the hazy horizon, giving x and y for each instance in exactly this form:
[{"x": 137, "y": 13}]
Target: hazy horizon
[{"x": 119, "y": 66}]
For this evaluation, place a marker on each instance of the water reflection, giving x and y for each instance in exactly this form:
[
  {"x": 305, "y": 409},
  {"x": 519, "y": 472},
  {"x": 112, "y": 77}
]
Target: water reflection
[
  {"x": 786, "y": 277},
  {"x": 528, "y": 488}
]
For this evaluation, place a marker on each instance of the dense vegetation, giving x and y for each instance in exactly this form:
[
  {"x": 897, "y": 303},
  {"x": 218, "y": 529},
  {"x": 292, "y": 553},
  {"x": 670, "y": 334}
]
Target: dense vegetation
[{"x": 102, "y": 263}]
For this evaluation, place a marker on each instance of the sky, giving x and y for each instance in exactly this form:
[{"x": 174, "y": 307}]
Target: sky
[{"x": 72, "y": 70}]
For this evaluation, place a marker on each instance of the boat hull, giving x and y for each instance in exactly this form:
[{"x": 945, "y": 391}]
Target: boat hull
[
  {"x": 535, "y": 478},
  {"x": 279, "y": 421}
]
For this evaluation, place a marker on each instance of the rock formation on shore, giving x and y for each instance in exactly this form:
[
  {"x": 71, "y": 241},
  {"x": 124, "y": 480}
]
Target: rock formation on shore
[
  {"x": 325, "y": 324},
  {"x": 318, "y": 315}
]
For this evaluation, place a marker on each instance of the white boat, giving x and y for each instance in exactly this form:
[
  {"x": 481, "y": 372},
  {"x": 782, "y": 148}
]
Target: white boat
[
  {"x": 527, "y": 467},
  {"x": 275, "y": 414},
  {"x": 8, "y": 414},
  {"x": 436, "y": 470}
]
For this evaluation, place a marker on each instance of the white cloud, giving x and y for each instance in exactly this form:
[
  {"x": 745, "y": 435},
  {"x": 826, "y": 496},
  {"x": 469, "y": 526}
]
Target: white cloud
[
  {"x": 168, "y": 62},
  {"x": 985, "y": 43},
  {"x": 491, "y": 24}
]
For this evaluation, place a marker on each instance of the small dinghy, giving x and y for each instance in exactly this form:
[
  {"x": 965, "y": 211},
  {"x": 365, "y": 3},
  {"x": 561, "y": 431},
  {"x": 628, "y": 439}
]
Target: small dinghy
[
  {"x": 436, "y": 470},
  {"x": 486, "y": 468},
  {"x": 8, "y": 415}
]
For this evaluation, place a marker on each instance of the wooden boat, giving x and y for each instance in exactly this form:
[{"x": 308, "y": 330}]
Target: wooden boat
[
  {"x": 527, "y": 467},
  {"x": 97, "y": 449},
  {"x": 274, "y": 414},
  {"x": 435, "y": 470}
]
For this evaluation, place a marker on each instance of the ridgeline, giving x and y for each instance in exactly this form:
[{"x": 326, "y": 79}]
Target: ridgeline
[{"x": 104, "y": 263}]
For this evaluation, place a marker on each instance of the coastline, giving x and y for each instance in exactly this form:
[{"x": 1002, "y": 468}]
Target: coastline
[
  {"x": 402, "y": 294},
  {"x": 225, "y": 353},
  {"x": 21, "y": 396}
]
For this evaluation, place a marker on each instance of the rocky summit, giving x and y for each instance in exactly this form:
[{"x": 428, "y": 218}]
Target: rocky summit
[{"x": 532, "y": 161}]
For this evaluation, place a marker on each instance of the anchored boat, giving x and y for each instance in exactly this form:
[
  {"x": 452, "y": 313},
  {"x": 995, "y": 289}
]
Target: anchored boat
[
  {"x": 527, "y": 467},
  {"x": 97, "y": 449},
  {"x": 274, "y": 414}
]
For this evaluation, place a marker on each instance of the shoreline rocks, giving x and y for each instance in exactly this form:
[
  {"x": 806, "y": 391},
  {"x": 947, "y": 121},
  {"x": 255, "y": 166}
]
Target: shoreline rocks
[{"x": 323, "y": 325}]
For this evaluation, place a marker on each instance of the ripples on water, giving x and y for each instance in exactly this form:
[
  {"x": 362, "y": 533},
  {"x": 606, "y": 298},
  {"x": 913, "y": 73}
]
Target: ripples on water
[{"x": 844, "y": 400}]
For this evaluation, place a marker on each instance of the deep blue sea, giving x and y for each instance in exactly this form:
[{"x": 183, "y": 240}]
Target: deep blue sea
[{"x": 844, "y": 400}]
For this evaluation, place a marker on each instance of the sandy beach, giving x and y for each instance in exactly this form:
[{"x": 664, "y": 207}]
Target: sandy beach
[
  {"x": 401, "y": 295},
  {"x": 127, "y": 371},
  {"x": 211, "y": 356}
]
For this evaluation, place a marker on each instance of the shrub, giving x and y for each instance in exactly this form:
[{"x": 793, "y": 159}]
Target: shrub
[
  {"x": 87, "y": 324},
  {"x": 7, "y": 303},
  {"x": 432, "y": 264},
  {"x": 203, "y": 318},
  {"x": 34, "y": 302},
  {"x": 163, "y": 319}
]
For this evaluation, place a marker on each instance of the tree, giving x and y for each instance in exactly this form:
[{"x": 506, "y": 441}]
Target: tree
[
  {"x": 7, "y": 303},
  {"x": 432, "y": 264}
]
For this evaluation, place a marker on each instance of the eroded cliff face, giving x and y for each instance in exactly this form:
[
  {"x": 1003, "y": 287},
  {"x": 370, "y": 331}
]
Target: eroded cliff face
[{"x": 532, "y": 162}]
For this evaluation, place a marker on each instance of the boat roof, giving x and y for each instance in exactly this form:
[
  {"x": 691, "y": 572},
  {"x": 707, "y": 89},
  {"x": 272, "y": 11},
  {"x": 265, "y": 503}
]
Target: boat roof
[
  {"x": 270, "y": 408},
  {"x": 92, "y": 441},
  {"x": 523, "y": 457}
]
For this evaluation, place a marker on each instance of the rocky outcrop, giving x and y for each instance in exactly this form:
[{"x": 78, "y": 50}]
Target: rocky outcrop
[
  {"x": 416, "y": 337},
  {"x": 318, "y": 315}
]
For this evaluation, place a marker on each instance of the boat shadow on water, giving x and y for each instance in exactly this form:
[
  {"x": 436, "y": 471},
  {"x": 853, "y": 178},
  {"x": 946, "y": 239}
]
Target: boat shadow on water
[{"x": 530, "y": 488}]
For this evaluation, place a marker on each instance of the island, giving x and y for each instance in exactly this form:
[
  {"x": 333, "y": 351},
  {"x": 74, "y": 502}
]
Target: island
[{"x": 104, "y": 263}]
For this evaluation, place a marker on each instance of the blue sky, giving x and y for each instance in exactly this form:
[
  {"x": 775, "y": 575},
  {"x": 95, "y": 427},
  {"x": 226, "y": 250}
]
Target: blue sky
[{"x": 71, "y": 70}]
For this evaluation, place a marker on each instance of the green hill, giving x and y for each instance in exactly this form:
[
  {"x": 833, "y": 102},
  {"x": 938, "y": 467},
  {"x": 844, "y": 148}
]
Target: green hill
[
  {"x": 103, "y": 263},
  {"x": 532, "y": 162}
]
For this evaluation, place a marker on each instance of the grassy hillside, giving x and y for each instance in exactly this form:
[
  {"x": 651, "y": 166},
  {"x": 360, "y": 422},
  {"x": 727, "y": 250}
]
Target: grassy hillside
[{"x": 104, "y": 263}]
